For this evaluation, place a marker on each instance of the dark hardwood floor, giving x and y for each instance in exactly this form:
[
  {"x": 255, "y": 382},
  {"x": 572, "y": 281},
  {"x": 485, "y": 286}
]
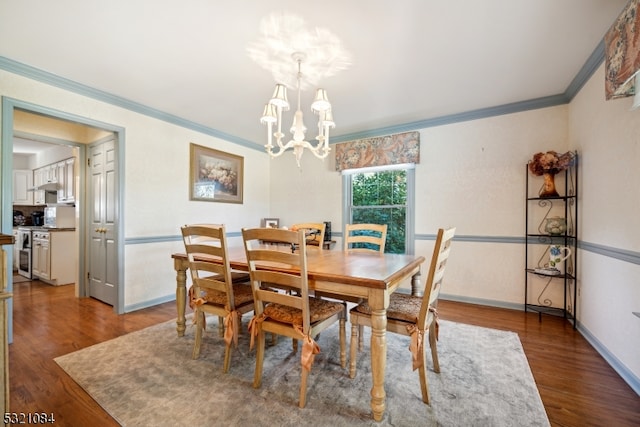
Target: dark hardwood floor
[{"x": 577, "y": 386}]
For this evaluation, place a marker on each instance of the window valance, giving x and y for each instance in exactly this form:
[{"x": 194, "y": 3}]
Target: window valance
[
  {"x": 378, "y": 151},
  {"x": 622, "y": 53}
]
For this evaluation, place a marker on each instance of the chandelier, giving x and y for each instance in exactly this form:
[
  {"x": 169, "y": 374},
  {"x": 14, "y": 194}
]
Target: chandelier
[
  {"x": 272, "y": 115},
  {"x": 286, "y": 37}
]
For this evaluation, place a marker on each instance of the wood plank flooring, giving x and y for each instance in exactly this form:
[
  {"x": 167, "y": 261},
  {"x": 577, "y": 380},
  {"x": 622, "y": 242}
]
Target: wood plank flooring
[{"x": 577, "y": 386}]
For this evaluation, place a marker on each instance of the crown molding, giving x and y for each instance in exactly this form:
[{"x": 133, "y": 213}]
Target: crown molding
[
  {"x": 81, "y": 89},
  {"x": 585, "y": 73}
]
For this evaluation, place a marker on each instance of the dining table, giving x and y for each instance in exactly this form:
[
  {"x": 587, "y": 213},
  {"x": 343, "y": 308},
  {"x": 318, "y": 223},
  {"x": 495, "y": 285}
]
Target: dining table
[{"x": 371, "y": 276}]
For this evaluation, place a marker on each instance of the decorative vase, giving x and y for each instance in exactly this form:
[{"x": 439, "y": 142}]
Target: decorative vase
[{"x": 549, "y": 186}]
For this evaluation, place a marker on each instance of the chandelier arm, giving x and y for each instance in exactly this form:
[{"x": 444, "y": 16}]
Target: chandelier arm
[
  {"x": 269, "y": 139},
  {"x": 320, "y": 136},
  {"x": 279, "y": 135},
  {"x": 326, "y": 138}
]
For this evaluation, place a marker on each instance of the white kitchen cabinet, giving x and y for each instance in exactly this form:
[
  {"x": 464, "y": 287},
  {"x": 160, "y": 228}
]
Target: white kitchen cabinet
[
  {"x": 40, "y": 259},
  {"x": 51, "y": 173},
  {"x": 39, "y": 178},
  {"x": 22, "y": 181},
  {"x": 62, "y": 173},
  {"x": 55, "y": 256},
  {"x": 66, "y": 179}
]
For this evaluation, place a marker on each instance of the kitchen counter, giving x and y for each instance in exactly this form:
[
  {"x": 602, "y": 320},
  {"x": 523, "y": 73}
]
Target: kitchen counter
[
  {"x": 41, "y": 228},
  {"x": 55, "y": 255},
  {"x": 6, "y": 239}
]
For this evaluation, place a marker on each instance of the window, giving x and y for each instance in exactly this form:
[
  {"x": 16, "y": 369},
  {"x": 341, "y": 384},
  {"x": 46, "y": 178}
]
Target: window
[{"x": 383, "y": 195}]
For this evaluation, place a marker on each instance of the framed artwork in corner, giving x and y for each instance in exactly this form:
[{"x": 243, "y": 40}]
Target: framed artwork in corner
[
  {"x": 270, "y": 223},
  {"x": 215, "y": 176}
]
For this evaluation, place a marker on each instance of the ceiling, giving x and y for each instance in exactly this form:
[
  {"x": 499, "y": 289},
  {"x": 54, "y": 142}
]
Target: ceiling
[
  {"x": 411, "y": 60},
  {"x": 28, "y": 146}
]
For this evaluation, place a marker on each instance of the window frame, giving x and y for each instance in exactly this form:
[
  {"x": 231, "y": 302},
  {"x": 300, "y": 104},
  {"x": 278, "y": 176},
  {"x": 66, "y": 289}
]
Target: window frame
[{"x": 347, "y": 197}]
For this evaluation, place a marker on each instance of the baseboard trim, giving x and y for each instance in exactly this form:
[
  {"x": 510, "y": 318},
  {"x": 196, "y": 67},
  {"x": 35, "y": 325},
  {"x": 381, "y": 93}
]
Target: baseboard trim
[
  {"x": 627, "y": 376},
  {"x": 150, "y": 303},
  {"x": 614, "y": 362}
]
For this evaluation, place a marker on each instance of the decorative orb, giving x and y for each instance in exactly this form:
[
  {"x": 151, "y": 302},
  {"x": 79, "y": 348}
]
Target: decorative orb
[{"x": 556, "y": 226}]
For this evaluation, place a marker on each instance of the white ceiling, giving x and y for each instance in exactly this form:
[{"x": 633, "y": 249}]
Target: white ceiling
[
  {"x": 412, "y": 60},
  {"x": 27, "y": 146}
]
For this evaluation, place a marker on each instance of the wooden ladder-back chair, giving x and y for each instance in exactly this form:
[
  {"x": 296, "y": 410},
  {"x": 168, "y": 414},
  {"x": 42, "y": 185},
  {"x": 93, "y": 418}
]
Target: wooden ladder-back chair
[
  {"x": 413, "y": 316},
  {"x": 214, "y": 290},
  {"x": 314, "y": 232},
  {"x": 292, "y": 314},
  {"x": 360, "y": 238},
  {"x": 365, "y": 237}
]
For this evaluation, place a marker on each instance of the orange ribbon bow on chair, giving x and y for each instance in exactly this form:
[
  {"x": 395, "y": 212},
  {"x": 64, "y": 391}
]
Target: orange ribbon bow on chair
[
  {"x": 253, "y": 327},
  {"x": 231, "y": 327},
  {"x": 195, "y": 302},
  {"x": 309, "y": 350},
  {"x": 416, "y": 346}
]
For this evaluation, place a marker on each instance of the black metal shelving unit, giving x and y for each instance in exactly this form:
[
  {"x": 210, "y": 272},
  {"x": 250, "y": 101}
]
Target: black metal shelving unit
[{"x": 541, "y": 291}]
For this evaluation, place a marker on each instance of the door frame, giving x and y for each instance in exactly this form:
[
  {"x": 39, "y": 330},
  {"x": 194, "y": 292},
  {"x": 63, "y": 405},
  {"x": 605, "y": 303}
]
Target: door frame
[{"x": 9, "y": 105}]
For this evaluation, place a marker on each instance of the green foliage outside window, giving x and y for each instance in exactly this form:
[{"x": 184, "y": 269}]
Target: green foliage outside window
[{"x": 381, "y": 198}]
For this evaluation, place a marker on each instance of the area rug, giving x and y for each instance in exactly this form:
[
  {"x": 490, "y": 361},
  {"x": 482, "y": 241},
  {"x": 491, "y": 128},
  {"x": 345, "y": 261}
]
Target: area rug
[{"x": 148, "y": 378}]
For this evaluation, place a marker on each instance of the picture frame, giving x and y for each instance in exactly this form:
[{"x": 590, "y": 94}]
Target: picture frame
[
  {"x": 215, "y": 176},
  {"x": 270, "y": 223}
]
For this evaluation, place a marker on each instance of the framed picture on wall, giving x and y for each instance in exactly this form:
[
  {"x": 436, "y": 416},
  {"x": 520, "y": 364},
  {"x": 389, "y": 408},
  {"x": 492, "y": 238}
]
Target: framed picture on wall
[
  {"x": 270, "y": 222},
  {"x": 215, "y": 176}
]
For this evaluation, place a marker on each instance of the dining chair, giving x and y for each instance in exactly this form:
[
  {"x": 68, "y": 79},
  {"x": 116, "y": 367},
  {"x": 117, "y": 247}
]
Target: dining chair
[
  {"x": 292, "y": 314},
  {"x": 365, "y": 237},
  {"x": 411, "y": 315},
  {"x": 360, "y": 238},
  {"x": 214, "y": 290},
  {"x": 314, "y": 232}
]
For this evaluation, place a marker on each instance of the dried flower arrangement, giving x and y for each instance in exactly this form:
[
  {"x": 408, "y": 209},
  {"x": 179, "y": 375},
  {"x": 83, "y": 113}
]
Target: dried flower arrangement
[{"x": 550, "y": 162}]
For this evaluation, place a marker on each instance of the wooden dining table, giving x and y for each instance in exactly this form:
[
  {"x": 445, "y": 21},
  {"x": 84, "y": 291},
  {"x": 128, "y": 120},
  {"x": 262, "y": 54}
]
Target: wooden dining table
[{"x": 371, "y": 276}]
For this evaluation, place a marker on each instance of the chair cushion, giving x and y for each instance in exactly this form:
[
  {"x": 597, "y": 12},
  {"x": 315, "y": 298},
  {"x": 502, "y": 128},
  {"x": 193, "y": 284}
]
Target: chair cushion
[
  {"x": 242, "y": 293},
  {"x": 236, "y": 277},
  {"x": 240, "y": 277},
  {"x": 401, "y": 307},
  {"x": 318, "y": 310}
]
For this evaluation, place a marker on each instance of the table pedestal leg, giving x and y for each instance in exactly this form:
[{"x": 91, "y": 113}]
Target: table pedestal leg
[
  {"x": 378, "y": 361},
  {"x": 181, "y": 295},
  {"x": 416, "y": 285}
]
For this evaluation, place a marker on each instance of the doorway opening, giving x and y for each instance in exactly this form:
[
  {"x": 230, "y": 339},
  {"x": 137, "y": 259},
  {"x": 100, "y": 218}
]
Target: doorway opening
[{"x": 55, "y": 127}]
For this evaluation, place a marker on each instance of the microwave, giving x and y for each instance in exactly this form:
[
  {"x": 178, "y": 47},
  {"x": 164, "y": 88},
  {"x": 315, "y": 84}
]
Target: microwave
[{"x": 60, "y": 217}]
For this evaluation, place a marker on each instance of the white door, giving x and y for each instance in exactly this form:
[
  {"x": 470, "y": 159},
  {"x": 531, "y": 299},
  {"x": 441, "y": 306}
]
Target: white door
[{"x": 103, "y": 259}]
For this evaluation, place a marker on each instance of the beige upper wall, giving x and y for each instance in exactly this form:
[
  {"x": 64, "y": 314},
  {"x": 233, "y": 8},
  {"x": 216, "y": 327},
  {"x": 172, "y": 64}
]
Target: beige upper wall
[
  {"x": 471, "y": 175},
  {"x": 476, "y": 166},
  {"x": 607, "y": 135},
  {"x": 156, "y": 183}
]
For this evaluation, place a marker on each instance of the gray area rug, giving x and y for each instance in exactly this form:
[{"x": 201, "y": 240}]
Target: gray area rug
[{"x": 147, "y": 378}]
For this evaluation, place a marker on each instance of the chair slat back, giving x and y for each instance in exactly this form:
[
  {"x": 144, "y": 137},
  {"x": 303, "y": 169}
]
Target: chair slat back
[
  {"x": 433, "y": 284},
  {"x": 208, "y": 242},
  {"x": 314, "y": 232},
  {"x": 277, "y": 266},
  {"x": 361, "y": 237}
]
